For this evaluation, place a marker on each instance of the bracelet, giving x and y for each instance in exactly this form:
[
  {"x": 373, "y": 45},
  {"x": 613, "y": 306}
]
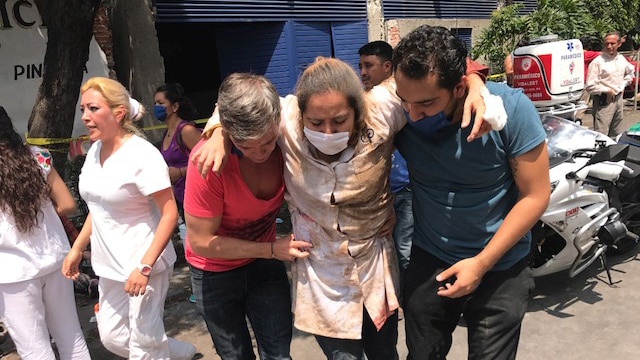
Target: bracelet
[{"x": 273, "y": 256}]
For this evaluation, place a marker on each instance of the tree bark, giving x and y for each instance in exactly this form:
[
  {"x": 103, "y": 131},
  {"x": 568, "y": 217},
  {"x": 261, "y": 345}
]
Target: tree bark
[
  {"x": 69, "y": 30},
  {"x": 136, "y": 52}
]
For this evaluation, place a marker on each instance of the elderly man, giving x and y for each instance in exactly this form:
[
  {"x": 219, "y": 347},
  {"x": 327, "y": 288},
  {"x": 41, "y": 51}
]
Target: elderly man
[{"x": 607, "y": 77}]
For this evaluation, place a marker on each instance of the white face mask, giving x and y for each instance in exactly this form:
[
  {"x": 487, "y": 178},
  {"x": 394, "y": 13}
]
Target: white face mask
[{"x": 329, "y": 144}]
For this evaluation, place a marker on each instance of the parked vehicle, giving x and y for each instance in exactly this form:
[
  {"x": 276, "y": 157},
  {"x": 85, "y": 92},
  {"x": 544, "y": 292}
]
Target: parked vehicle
[
  {"x": 4, "y": 333},
  {"x": 590, "y": 186}
]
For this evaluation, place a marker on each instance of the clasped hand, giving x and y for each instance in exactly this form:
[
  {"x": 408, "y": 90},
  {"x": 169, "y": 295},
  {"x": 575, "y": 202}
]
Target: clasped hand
[
  {"x": 136, "y": 284},
  {"x": 467, "y": 273},
  {"x": 287, "y": 248}
]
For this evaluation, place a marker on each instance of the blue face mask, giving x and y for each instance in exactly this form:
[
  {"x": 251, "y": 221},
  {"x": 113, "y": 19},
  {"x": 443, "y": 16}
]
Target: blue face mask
[
  {"x": 160, "y": 112},
  {"x": 429, "y": 124}
]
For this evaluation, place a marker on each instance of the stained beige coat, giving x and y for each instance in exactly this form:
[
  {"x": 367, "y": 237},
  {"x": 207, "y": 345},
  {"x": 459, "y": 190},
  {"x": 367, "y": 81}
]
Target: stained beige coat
[{"x": 340, "y": 208}]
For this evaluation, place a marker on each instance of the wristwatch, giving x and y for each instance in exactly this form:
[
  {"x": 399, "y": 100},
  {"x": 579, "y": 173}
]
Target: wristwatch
[{"x": 145, "y": 269}]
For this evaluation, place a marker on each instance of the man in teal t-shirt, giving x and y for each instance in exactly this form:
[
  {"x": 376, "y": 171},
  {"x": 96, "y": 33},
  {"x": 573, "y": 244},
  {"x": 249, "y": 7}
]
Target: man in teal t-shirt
[{"x": 474, "y": 203}]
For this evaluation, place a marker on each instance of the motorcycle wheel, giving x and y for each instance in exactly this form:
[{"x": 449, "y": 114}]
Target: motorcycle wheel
[
  {"x": 631, "y": 218},
  {"x": 622, "y": 246}
]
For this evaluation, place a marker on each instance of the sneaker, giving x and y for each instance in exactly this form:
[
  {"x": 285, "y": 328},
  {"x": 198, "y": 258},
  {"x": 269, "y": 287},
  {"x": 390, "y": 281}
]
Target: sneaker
[{"x": 180, "y": 350}]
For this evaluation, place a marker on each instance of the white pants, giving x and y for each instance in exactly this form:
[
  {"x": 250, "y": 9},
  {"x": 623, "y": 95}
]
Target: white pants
[
  {"x": 132, "y": 326},
  {"x": 34, "y": 309}
]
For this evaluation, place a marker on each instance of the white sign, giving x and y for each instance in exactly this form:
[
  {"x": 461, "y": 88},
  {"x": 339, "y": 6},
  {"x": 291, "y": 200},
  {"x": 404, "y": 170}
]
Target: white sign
[{"x": 23, "y": 43}]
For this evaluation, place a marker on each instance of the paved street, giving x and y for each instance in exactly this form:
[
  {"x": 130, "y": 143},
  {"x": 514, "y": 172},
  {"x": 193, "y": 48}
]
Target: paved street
[{"x": 582, "y": 318}]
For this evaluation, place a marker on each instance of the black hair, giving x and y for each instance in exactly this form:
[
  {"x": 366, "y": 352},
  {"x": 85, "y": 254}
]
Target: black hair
[
  {"x": 174, "y": 92},
  {"x": 378, "y": 48},
  {"x": 431, "y": 49},
  {"x": 23, "y": 189}
]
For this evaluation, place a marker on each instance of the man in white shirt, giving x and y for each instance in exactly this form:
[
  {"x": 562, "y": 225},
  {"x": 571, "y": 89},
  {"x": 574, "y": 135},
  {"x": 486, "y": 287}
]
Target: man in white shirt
[{"x": 608, "y": 75}]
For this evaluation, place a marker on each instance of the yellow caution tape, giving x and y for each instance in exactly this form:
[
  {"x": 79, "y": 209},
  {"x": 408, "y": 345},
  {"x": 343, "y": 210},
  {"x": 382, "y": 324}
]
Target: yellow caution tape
[
  {"x": 54, "y": 141},
  {"x": 495, "y": 76}
]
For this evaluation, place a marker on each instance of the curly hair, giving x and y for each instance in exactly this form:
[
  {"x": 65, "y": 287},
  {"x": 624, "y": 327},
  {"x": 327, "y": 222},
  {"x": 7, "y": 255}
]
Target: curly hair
[
  {"x": 431, "y": 49},
  {"x": 23, "y": 189}
]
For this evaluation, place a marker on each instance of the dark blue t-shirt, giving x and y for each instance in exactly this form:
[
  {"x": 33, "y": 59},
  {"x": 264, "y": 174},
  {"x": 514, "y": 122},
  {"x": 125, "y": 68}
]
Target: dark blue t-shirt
[{"x": 463, "y": 191}]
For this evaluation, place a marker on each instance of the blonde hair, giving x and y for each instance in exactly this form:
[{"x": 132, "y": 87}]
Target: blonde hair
[
  {"x": 328, "y": 75},
  {"x": 116, "y": 95}
]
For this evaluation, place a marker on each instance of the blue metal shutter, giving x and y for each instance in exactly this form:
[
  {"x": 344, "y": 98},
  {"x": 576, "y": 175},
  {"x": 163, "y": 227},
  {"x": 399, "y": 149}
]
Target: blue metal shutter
[
  {"x": 259, "y": 48},
  {"x": 312, "y": 39},
  {"x": 463, "y": 9},
  {"x": 259, "y": 10},
  {"x": 337, "y": 39},
  {"x": 464, "y": 34},
  {"x": 347, "y": 39}
]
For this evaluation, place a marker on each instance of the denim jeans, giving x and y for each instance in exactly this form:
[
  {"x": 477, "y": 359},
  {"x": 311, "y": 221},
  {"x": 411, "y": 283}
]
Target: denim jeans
[
  {"x": 378, "y": 345},
  {"x": 493, "y": 312},
  {"x": 259, "y": 291},
  {"x": 403, "y": 231}
]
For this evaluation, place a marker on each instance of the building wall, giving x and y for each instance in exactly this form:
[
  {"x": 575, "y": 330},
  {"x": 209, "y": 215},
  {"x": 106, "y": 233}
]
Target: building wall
[
  {"x": 103, "y": 35},
  {"x": 397, "y": 28},
  {"x": 375, "y": 19}
]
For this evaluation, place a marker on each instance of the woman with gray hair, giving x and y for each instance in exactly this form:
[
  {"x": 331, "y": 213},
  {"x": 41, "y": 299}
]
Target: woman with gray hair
[{"x": 235, "y": 258}]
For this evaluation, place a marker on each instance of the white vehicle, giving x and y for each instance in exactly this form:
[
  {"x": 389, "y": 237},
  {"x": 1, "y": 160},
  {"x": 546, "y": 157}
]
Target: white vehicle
[
  {"x": 551, "y": 73},
  {"x": 587, "y": 171}
]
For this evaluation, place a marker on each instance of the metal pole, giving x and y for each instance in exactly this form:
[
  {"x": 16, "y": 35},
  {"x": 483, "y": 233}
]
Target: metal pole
[{"x": 635, "y": 93}]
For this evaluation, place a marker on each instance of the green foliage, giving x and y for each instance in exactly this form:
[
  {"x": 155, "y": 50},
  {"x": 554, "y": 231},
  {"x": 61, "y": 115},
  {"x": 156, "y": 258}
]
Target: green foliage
[
  {"x": 566, "y": 18},
  {"x": 618, "y": 15},
  {"x": 502, "y": 35}
]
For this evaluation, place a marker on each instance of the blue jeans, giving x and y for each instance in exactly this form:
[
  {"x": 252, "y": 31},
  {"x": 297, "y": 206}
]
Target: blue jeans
[
  {"x": 493, "y": 312},
  {"x": 403, "y": 231},
  {"x": 378, "y": 345},
  {"x": 259, "y": 291}
]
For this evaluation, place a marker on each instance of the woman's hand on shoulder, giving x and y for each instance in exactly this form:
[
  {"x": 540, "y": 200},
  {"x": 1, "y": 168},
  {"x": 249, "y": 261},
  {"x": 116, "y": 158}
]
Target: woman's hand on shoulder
[
  {"x": 474, "y": 103},
  {"x": 211, "y": 155}
]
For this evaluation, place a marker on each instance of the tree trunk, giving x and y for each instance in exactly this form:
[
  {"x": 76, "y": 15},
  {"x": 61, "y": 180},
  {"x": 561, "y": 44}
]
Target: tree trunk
[
  {"x": 69, "y": 30},
  {"x": 136, "y": 52}
]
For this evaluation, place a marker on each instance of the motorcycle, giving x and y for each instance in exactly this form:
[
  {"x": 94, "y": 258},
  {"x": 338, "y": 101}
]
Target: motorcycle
[
  {"x": 3, "y": 332},
  {"x": 593, "y": 208}
]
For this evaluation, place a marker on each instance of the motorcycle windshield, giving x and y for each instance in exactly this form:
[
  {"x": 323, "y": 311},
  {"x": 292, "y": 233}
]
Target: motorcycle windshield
[{"x": 565, "y": 136}]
